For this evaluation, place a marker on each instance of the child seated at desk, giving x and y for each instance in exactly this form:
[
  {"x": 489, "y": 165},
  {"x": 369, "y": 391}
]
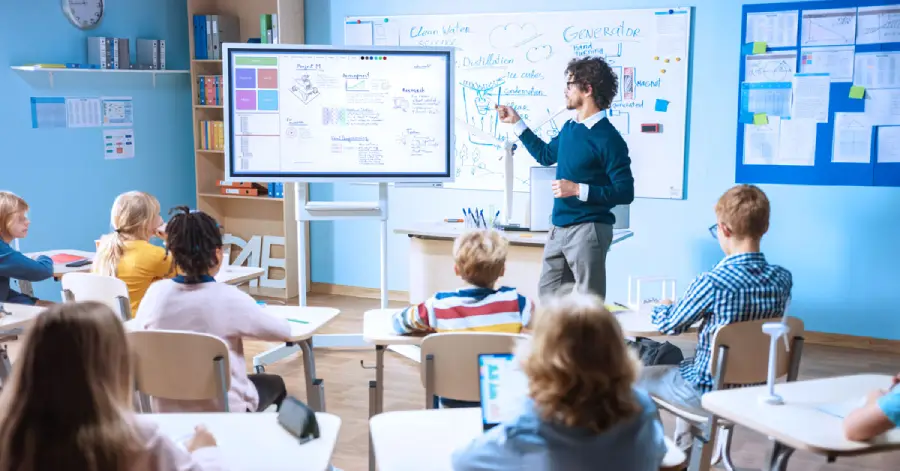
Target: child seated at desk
[
  {"x": 126, "y": 253},
  {"x": 880, "y": 414},
  {"x": 193, "y": 301},
  {"x": 582, "y": 411},
  {"x": 742, "y": 287},
  {"x": 480, "y": 260},
  {"x": 13, "y": 264},
  {"x": 68, "y": 403}
]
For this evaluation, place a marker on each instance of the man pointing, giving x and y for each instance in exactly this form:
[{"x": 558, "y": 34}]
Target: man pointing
[{"x": 593, "y": 175}]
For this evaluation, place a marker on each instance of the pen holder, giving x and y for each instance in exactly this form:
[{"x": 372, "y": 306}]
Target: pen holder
[{"x": 774, "y": 330}]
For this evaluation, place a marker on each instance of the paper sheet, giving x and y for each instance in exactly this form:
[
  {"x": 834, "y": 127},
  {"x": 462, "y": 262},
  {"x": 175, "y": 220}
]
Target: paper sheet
[
  {"x": 771, "y": 98},
  {"x": 671, "y": 35},
  {"x": 761, "y": 142},
  {"x": 48, "y": 112},
  {"x": 841, "y": 409},
  {"x": 889, "y": 144},
  {"x": 812, "y": 94},
  {"x": 83, "y": 112},
  {"x": 118, "y": 111},
  {"x": 878, "y": 24},
  {"x": 852, "y": 138},
  {"x": 836, "y": 61},
  {"x": 118, "y": 144},
  {"x": 883, "y": 106},
  {"x": 828, "y": 27},
  {"x": 773, "y": 67},
  {"x": 877, "y": 70},
  {"x": 777, "y": 29},
  {"x": 797, "y": 142}
]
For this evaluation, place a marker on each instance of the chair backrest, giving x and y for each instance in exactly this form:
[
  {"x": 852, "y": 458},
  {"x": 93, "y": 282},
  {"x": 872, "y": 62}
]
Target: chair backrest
[
  {"x": 179, "y": 365},
  {"x": 450, "y": 362},
  {"x": 93, "y": 287},
  {"x": 748, "y": 351}
]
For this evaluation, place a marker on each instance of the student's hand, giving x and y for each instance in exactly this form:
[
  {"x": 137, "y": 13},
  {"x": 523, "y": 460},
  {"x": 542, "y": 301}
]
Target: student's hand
[
  {"x": 667, "y": 302},
  {"x": 565, "y": 188},
  {"x": 508, "y": 114},
  {"x": 201, "y": 439},
  {"x": 895, "y": 380},
  {"x": 873, "y": 396}
]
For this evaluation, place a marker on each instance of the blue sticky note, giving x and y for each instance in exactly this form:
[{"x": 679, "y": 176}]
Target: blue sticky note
[
  {"x": 747, "y": 49},
  {"x": 662, "y": 105},
  {"x": 746, "y": 117}
]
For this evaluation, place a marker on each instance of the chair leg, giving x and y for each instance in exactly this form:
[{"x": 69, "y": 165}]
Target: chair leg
[
  {"x": 717, "y": 450},
  {"x": 429, "y": 382},
  {"x": 727, "y": 434}
]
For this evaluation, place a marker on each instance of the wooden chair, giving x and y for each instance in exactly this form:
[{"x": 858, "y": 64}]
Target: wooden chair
[
  {"x": 740, "y": 357},
  {"x": 108, "y": 290},
  {"x": 450, "y": 366},
  {"x": 179, "y": 365}
]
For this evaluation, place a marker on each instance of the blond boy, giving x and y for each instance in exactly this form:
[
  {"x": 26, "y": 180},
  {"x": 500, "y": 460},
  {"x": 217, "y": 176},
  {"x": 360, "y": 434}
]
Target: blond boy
[
  {"x": 14, "y": 224},
  {"x": 742, "y": 287}
]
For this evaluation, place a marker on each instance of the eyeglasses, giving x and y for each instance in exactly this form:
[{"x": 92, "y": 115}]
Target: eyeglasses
[
  {"x": 569, "y": 84},
  {"x": 714, "y": 231}
]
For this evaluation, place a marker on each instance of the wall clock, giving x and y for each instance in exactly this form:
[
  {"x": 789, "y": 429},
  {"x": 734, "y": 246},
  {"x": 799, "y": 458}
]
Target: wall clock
[{"x": 84, "y": 14}]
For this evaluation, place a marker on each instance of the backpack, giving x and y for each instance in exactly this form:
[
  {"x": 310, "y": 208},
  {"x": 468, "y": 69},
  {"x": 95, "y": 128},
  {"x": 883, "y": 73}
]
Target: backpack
[{"x": 654, "y": 353}]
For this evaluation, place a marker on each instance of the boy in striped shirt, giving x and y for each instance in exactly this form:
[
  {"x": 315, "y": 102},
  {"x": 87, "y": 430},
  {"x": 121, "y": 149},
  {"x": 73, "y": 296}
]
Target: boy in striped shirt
[{"x": 480, "y": 259}]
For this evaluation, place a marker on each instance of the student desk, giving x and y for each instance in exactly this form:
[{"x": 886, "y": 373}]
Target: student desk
[
  {"x": 254, "y": 442},
  {"x": 12, "y": 318},
  {"x": 638, "y": 324},
  {"x": 59, "y": 269},
  {"x": 798, "y": 424},
  {"x": 431, "y": 258},
  {"x": 238, "y": 275},
  {"x": 406, "y": 440}
]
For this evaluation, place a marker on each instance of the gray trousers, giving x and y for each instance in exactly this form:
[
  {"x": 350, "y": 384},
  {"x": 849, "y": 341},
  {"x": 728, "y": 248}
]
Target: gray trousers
[
  {"x": 667, "y": 383},
  {"x": 576, "y": 255}
]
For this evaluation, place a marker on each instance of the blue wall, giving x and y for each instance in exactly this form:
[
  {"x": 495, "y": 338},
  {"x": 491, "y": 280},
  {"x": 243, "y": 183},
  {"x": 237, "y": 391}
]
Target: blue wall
[
  {"x": 840, "y": 243},
  {"x": 61, "y": 172}
]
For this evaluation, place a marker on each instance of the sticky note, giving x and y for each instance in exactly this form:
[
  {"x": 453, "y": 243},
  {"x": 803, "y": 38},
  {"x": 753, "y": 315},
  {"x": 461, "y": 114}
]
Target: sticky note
[
  {"x": 759, "y": 47},
  {"x": 747, "y": 49},
  {"x": 857, "y": 92},
  {"x": 662, "y": 105},
  {"x": 760, "y": 118},
  {"x": 746, "y": 117}
]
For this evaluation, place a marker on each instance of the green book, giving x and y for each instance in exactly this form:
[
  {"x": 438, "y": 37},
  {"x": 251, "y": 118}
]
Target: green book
[{"x": 265, "y": 24}]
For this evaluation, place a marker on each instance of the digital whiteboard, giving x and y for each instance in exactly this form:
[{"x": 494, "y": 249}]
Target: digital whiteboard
[{"x": 316, "y": 113}]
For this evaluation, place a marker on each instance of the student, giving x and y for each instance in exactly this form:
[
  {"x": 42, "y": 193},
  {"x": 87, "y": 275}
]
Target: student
[
  {"x": 76, "y": 414},
  {"x": 13, "y": 264},
  {"x": 582, "y": 411},
  {"x": 880, "y": 414},
  {"x": 193, "y": 301},
  {"x": 742, "y": 287},
  {"x": 127, "y": 253}
]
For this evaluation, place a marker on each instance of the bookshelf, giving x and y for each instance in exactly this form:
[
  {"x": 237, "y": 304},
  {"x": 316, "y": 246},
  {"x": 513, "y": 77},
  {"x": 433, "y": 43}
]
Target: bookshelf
[
  {"x": 245, "y": 216},
  {"x": 50, "y": 72}
]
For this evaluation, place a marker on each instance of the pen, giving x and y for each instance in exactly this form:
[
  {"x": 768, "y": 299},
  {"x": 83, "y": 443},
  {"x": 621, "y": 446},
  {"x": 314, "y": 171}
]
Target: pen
[
  {"x": 482, "y": 219},
  {"x": 298, "y": 321},
  {"x": 453, "y": 220}
]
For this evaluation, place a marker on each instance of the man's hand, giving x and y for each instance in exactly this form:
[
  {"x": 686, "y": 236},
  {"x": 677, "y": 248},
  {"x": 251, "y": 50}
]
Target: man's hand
[
  {"x": 507, "y": 114},
  {"x": 565, "y": 188},
  {"x": 666, "y": 302}
]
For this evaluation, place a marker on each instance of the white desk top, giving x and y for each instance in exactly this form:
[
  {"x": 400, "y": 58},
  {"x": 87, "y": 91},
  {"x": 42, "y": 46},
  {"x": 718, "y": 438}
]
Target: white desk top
[
  {"x": 449, "y": 231},
  {"x": 797, "y": 423},
  {"x": 437, "y": 433},
  {"x": 377, "y": 329},
  {"x": 236, "y": 275},
  {"x": 22, "y": 315},
  {"x": 317, "y": 317},
  {"x": 60, "y": 269},
  {"x": 254, "y": 442},
  {"x": 638, "y": 324}
]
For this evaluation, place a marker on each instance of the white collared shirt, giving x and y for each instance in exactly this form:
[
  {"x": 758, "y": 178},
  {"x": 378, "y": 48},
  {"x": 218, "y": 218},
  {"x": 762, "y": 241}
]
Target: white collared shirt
[{"x": 590, "y": 121}]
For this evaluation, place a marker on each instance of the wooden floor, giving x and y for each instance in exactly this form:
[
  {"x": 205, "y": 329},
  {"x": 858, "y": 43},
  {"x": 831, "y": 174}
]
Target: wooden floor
[{"x": 347, "y": 395}]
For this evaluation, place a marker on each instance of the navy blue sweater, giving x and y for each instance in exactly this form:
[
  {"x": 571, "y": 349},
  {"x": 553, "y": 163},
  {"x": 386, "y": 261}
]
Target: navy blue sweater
[
  {"x": 597, "y": 157},
  {"x": 14, "y": 264}
]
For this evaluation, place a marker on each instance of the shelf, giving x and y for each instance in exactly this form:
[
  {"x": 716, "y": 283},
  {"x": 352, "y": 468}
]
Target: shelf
[
  {"x": 51, "y": 71},
  {"x": 210, "y": 151},
  {"x": 239, "y": 197},
  {"x": 209, "y": 107},
  {"x": 206, "y": 61}
]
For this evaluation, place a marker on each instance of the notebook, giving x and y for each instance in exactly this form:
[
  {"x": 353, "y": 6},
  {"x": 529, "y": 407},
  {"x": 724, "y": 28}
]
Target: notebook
[
  {"x": 496, "y": 400},
  {"x": 63, "y": 258}
]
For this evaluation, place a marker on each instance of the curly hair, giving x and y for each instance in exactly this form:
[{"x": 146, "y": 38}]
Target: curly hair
[
  {"x": 193, "y": 238},
  {"x": 480, "y": 257},
  {"x": 595, "y": 73},
  {"x": 580, "y": 372}
]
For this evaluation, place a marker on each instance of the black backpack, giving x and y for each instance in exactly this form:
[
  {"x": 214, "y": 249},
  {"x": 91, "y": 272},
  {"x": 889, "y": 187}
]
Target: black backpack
[{"x": 654, "y": 353}]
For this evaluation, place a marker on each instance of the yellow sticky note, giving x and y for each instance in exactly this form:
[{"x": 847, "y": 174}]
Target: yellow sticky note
[
  {"x": 857, "y": 92},
  {"x": 760, "y": 118},
  {"x": 759, "y": 47}
]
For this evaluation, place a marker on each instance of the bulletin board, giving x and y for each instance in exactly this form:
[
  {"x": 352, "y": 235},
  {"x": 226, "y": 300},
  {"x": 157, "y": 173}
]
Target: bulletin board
[{"x": 819, "y": 94}]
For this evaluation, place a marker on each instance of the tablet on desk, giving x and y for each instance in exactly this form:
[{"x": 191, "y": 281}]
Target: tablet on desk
[{"x": 497, "y": 386}]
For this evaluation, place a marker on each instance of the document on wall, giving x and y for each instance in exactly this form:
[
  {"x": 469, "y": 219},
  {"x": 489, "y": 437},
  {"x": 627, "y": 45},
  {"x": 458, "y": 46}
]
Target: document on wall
[
  {"x": 797, "y": 142},
  {"x": 888, "y": 144},
  {"x": 878, "y": 24},
  {"x": 118, "y": 111},
  {"x": 852, "y": 138},
  {"x": 761, "y": 142},
  {"x": 83, "y": 112},
  {"x": 877, "y": 70},
  {"x": 883, "y": 106},
  {"x": 776, "y": 29},
  {"x": 48, "y": 112},
  {"x": 771, "y": 98},
  {"x": 774, "y": 67},
  {"x": 836, "y": 61},
  {"x": 812, "y": 94},
  {"x": 118, "y": 144},
  {"x": 828, "y": 27}
]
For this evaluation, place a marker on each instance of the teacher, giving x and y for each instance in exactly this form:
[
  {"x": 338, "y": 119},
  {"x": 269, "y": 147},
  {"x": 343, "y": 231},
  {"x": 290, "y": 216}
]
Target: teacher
[{"x": 593, "y": 176}]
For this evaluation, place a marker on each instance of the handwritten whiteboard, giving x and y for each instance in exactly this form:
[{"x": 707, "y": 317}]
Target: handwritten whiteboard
[{"x": 519, "y": 59}]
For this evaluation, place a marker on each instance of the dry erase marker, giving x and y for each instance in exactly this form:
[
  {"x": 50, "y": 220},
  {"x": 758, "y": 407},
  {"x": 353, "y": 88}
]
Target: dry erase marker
[
  {"x": 453, "y": 220},
  {"x": 297, "y": 321}
]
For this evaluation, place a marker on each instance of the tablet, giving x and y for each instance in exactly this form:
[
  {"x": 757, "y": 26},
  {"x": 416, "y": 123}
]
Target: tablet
[{"x": 495, "y": 386}]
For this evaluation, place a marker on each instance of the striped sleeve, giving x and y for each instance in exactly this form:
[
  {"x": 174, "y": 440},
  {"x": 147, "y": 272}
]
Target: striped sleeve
[
  {"x": 415, "y": 319},
  {"x": 675, "y": 319},
  {"x": 526, "y": 308}
]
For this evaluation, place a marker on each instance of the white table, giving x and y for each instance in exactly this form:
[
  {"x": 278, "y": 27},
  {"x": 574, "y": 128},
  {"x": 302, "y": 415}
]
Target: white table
[
  {"x": 252, "y": 442},
  {"x": 238, "y": 275},
  {"x": 406, "y": 440},
  {"x": 59, "y": 269},
  {"x": 14, "y": 316},
  {"x": 798, "y": 424},
  {"x": 639, "y": 324}
]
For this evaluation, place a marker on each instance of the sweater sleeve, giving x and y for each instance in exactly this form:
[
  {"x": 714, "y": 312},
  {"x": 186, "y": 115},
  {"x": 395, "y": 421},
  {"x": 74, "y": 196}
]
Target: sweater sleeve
[
  {"x": 19, "y": 266},
  {"x": 544, "y": 153},
  {"x": 249, "y": 319},
  {"x": 163, "y": 454},
  {"x": 620, "y": 190}
]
